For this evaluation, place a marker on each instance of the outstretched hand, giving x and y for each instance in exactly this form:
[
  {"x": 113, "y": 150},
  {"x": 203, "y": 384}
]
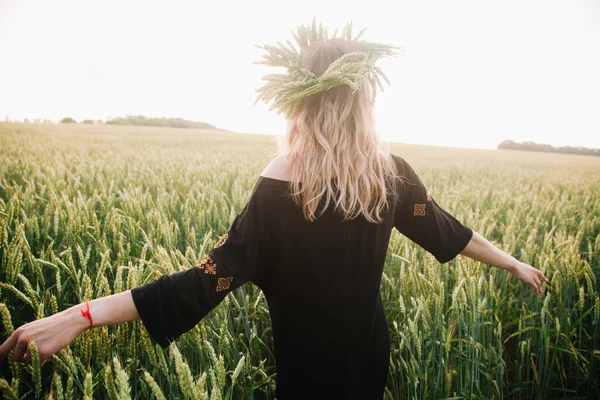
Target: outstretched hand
[
  {"x": 50, "y": 334},
  {"x": 529, "y": 275},
  {"x": 480, "y": 249}
]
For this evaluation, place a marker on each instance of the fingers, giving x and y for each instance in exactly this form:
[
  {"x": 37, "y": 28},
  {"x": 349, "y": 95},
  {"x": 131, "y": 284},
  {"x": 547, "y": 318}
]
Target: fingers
[
  {"x": 27, "y": 358},
  {"x": 19, "y": 352},
  {"x": 534, "y": 286},
  {"x": 8, "y": 345},
  {"x": 538, "y": 283},
  {"x": 541, "y": 278},
  {"x": 20, "y": 346}
]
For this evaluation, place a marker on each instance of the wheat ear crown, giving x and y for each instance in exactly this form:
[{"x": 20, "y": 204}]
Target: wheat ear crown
[{"x": 286, "y": 90}]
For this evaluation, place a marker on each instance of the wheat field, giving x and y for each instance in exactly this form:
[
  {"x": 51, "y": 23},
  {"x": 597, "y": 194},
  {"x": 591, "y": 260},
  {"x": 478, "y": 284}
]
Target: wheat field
[{"x": 88, "y": 211}]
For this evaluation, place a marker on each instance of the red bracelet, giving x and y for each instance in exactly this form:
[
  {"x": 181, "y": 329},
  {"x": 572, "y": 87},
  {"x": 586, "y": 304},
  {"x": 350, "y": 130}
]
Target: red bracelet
[{"x": 86, "y": 312}]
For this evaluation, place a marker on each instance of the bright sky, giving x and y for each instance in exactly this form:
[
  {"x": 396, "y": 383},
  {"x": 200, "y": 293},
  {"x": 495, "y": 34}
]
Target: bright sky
[{"x": 475, "y": 72}]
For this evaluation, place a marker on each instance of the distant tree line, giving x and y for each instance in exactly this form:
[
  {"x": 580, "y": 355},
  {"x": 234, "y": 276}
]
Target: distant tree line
[
  {"x": 69, "y": 120},
  {"x": 533, "y": 146},
  {"x": 29, "y": 120},
  {"x": 142, "y": 120},
  {"x": 167, "y": 122}
]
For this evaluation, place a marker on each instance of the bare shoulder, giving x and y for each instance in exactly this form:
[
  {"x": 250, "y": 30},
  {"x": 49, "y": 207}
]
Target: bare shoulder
[{"x": 278, "y": 168}]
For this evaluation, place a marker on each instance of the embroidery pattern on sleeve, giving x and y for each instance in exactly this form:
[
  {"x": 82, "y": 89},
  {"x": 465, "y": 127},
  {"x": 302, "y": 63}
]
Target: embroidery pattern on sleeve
[
  {"x": 208, "y": 265},
  {"x": 211, "y": 269},
  {"x": 428, "y": 197},
  {"x": 224, "y": 283},
  {"x": 420, "y": 209},
  {"x": 221, "y": 240}
]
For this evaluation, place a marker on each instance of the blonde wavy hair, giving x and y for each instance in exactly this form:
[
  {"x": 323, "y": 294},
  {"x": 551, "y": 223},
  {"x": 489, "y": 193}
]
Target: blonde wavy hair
[{"x": 333, "y": 136}]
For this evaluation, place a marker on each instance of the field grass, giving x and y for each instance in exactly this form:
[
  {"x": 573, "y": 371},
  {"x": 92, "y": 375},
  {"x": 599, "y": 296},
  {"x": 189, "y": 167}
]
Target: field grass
[{"x": 87, "y": 211}]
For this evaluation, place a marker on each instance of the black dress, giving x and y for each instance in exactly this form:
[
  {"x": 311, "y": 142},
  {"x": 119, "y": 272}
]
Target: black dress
[{"x": 321, "y": 280}]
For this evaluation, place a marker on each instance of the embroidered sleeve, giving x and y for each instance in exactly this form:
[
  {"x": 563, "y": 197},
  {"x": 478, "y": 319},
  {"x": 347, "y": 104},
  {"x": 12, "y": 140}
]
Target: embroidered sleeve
[
  {"x": 173, "y": 304},
  {"x": 418, "y": 217}
]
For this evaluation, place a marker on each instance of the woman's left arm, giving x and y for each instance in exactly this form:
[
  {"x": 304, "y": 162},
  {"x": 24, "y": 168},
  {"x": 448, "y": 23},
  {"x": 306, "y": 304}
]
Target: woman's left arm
[
  {"x": 57, "y": 331},
  {"x": 480, "y": 249}
]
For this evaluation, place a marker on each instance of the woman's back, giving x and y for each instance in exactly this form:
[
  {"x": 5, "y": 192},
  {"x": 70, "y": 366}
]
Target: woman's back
[{"x": 321, "y": 280}]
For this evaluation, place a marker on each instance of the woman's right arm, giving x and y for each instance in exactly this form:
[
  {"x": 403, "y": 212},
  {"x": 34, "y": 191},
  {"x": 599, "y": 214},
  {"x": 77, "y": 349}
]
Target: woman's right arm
[
  {"x": 57, "y": 331},
  {"x": 480, "y": 249},
  {"x": 423, "y": 221}
]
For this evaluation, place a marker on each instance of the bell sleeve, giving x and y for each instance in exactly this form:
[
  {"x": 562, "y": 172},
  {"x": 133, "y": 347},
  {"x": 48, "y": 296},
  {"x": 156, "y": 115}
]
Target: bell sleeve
[
  {"x": 419, "y": 218},
  {"x": 174, "y": 303}
]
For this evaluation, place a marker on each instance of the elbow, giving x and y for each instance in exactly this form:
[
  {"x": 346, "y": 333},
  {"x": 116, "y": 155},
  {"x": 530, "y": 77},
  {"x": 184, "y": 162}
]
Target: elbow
[{"x": 472, "y": 248}]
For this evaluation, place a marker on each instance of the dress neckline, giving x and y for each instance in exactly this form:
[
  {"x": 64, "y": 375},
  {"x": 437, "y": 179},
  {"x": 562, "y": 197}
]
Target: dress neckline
[{"x": 267, "y": 179}]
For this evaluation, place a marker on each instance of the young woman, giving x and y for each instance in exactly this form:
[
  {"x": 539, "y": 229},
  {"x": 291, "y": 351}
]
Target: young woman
[{"x": 317, "y": 256}]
